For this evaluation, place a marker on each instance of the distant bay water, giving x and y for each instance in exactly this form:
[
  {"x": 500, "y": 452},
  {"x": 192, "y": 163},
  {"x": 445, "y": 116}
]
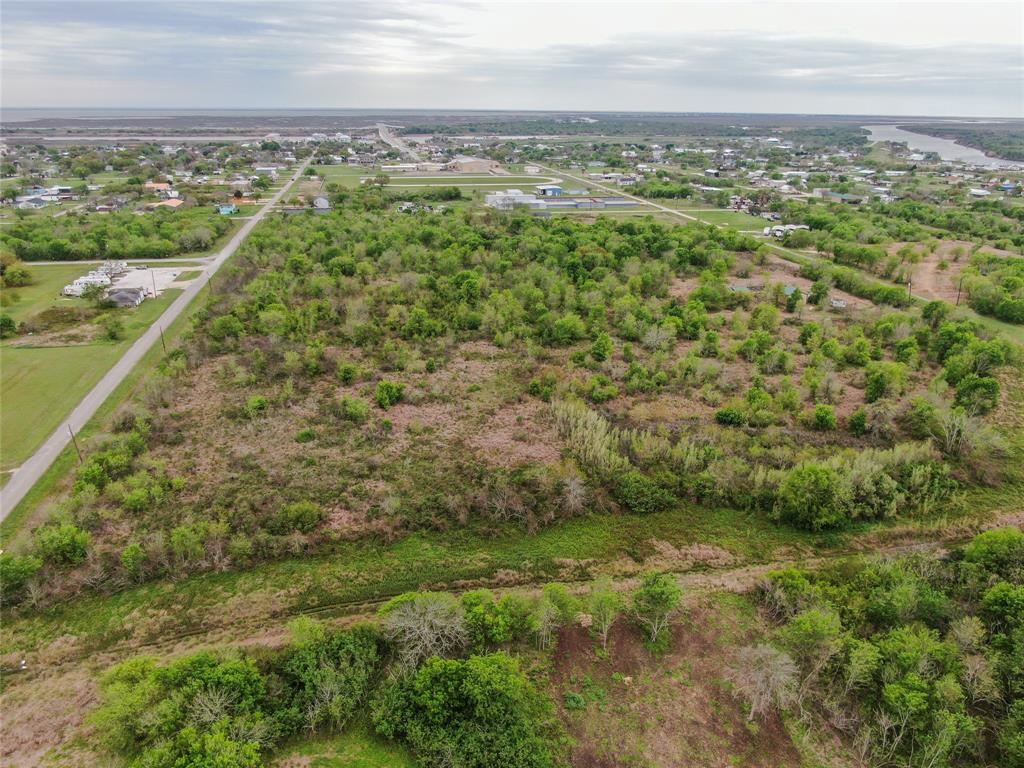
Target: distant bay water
[{"x": 944, "y": 148}]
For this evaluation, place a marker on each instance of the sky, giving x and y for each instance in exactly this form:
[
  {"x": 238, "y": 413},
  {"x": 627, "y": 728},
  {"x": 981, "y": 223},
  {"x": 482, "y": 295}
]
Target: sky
[{"x": 898, "y": 58}]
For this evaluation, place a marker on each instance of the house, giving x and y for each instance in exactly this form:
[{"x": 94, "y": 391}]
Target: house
[
  {"x": 171, "y": 203},
  {"x": 712, "y": 173},
  {"x": 532, "y": 170},
  {"x": 156, "y": 186},
  {"x": 321, "y": 204},
  {"x": 127, "y": 297},
  {"x": 227, "y": 210}
]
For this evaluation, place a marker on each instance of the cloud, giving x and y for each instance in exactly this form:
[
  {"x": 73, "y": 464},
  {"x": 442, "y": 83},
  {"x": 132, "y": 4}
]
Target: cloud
[{"x": 244, "y": 53}]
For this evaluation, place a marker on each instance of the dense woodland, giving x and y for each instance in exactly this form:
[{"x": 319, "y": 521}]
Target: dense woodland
[{"x": 123, "y": 235}]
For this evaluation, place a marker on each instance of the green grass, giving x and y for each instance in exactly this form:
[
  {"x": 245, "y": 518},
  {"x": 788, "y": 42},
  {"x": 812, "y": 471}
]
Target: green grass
[
  {"x": 14, "y": 523},
  {"x": 39, "y": 386},
  {"x": 44, "y": 293},
  {"x": 356, "y": 747},
  {"x": 732, "y": 219},
  {"x": 369, "y": 570}
]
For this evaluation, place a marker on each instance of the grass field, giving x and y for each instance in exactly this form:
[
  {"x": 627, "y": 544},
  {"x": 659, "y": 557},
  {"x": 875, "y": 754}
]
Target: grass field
[
  {"x": 39, "y": 386},
  {"x": 731, "y": 219},
  {"x": 356, "y": 747},
  {"x": 49, "y": 279}
]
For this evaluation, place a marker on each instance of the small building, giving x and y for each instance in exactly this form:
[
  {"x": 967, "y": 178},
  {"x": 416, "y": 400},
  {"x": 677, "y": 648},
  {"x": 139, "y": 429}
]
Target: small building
[
  {"x": 712, "y": 173},
  {"x": 321, "y": 204},
  {"x": 549, "y": 190},
  {"x": 979, "y": 192},
  {"x": 837, "y": 303},
  {"x": 227, "y": 210},
  {"x": 127, "y": 297}
]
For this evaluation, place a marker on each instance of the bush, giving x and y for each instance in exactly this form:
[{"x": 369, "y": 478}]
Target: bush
[
  {"x": 884, "y": 379},
  {"x": 354, "y": 409},
  {"x": 15, "y": 572},
  {"x": 1000, "y": 551},
  {"x": 225, "y": 327},
  {"x": 543, "y": 387},
  {"x": 811, "y": 497},
  {"x": 478, "y": 712},
  {"x": 301, "y": 516},
  {"x": 732, "y": 417},
  {"x": 823, "y": 418},
  {"x": 977, "y": 394},
  {"x": 389, "y": 393},
  {"x": 255, "y": 407},
  {"x": 8, "y": 327},
  {"x": 306, "y": 435},
  {"x": 113, "y": 327},
  {"x": 63, "y": 544},
  {"x": 641, "y": 495},
  {"x": 600, "y": 389},
  {"x": 858, "y": 423}
]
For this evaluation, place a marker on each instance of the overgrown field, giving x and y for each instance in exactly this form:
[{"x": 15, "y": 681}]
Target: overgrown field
[{"x": 374, "y": 403}]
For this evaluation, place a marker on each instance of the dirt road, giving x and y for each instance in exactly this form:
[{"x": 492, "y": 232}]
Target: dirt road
[{"x": 28, "y": 474}]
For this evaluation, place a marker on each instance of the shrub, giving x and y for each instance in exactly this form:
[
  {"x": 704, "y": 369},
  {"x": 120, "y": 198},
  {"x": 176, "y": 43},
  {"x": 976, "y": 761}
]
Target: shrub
[
  {"x": 654, "y": 603},
  {"x": 15, "y": 572},
  {"x": 543, "y": 387},
  {"x": 884, "y": 379},
  {"x": 977, "y": 394},
  {"x": 347, "y": 372},
  {"x": 733, "y": 417},
  {"x": 225, "y": 327},
  {"x": 301, "y": 516},
  {"x": 476, "y": 713},
  {"x": 306, "y": 435},
  {"x": 602, "y": 348},
  {"x": 63, "y": 544},
  {"x": 389, "y": 393},
  {"x": 113, "y": 327},
  {"x": 354, "y": 409},
  {"x": 823, "y": 418},
  {"x": 858, "y": 423},
  {"x": 600, "y": 389},
  {"x": 641, "y": 495},
  {"x": 811, "y": 496},
  {"x": 8, "y": 327},
  {"x": 999, "y": 551},
  {"x": 255, "y": 407}
]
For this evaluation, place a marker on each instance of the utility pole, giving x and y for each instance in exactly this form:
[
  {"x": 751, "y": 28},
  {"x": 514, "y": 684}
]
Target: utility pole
[
  {"x": 75, "y": 443},
  {"x": 958, "y": 287},
  {"x": 153, "y": 276}
]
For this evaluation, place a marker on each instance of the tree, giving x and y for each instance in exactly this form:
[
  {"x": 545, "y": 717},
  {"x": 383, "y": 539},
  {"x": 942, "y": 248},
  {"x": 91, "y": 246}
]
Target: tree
[
  {"x": 655, "y": 601},
  {"x": 424, "y": 624},
  {"x": 474, "y": 713},
  {"x": 766, "y": 677},
  {"x": 8, "y": 327},
  {"x": 604, "y": 607}
]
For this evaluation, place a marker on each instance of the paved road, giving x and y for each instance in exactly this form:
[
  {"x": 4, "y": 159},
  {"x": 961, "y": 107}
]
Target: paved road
[
  {"x": 28, "y": 474},
  {"x": 391, "y": 139}
]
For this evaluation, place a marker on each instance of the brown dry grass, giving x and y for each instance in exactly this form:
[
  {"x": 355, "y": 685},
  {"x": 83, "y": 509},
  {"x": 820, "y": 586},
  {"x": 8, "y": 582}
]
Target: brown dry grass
[{"x": 669, "y": 711}]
